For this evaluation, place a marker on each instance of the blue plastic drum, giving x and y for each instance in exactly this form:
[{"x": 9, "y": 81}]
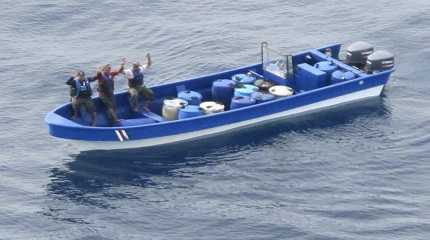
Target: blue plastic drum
[
  {"x": 245, "y": 90},
  {"x": 326, "y": 66},
  {"x": 223, "y": 91},
  {"x": 192, "y": 97},
  {"x": 262, "y": 97},
  {"x": 244, "y": 78},
  {"x": 340, "y": 76},
  {"x": 190, "y": 111},
  {"x": 241, "y": 101}
]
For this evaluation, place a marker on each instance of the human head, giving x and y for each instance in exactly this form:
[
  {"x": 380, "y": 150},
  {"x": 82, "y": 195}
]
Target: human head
[
  {"x": 106, "y": 69},
  {"x": 136, "y": 66},
  {"x": 80, "y": 75}
]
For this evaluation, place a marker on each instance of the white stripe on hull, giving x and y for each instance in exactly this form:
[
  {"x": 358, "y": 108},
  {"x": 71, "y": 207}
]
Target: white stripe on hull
[
  {"x": 111, "y": 145},
  {"x": 118, "y": 134}
]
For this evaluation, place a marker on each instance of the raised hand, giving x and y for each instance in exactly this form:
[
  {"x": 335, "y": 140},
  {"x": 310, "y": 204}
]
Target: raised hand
[
  {"x": 148, "y": 60},
  {"x": 123, "y": 61}
]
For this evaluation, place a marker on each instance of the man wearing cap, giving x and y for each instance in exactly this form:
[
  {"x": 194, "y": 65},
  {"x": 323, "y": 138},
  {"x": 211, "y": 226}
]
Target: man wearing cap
[{"x": 135, "y": 76}]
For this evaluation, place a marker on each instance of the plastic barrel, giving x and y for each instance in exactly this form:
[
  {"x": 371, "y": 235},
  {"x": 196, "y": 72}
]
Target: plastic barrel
[
  {"x": 189, "y": 111},
  {"x": 262, "y": 97},
  {"x": 192, "y": 97},
  {"x": 223, "y": 90},
  {"x": 326, "y": 66},
  {"x": 340, "y": 76},
  {"x": 241, "y": 101},
  {"x": 244, "y": 78},
  {"x": 210, "y": 107},
  {"x": 245, "y": 90},
  {"x": 171, "y": 107},
  {"x": 281, "y": 91}
]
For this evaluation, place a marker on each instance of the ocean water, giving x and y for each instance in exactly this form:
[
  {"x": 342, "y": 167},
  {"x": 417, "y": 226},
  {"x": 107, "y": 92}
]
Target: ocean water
[{"x": 356, "y": 172}]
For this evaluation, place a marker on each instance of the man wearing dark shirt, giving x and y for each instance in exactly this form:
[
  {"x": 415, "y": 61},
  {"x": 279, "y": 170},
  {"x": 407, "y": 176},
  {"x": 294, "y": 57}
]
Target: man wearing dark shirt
[
  {"x": 81, "y": 95},
  {"x": 136, "y": 87},
  {"x": 105, "y": 79}
]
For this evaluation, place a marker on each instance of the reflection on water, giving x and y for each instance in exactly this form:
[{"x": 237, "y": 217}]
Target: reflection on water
[{"x": 92, "y": 173}]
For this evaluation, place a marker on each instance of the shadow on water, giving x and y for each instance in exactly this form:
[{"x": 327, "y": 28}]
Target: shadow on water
[{"x": 95, "y": 172}]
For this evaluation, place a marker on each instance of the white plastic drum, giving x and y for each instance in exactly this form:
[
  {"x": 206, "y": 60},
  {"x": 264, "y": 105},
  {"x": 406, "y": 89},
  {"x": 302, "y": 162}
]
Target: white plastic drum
[
  {"x": 211, "y": 107},
  {"x": 171, "y": 107},
  {"x": 281, "y": 91}
]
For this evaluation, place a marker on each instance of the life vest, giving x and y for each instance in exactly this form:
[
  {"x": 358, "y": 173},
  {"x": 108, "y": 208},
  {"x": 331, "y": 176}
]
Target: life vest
[
  {"x": 84, "y": 89},
  {"x": 107, "y": 84},
  {"x": 137, "y": 79}
]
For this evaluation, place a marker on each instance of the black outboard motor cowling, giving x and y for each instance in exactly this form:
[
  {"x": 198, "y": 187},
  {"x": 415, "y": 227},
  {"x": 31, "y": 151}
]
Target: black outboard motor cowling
[
  {"x": 379, "y": 61},
  {"x": 357, "y": 53}
]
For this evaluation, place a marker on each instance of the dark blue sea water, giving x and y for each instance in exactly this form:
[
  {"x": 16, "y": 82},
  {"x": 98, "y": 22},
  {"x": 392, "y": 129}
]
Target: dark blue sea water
[{"x": 357, "y": 172}]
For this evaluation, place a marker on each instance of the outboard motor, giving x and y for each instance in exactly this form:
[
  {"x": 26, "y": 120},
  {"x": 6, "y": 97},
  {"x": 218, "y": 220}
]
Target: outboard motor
[
  {"x": 379, "y": 61},
  {"x": 357, "y": 53}
]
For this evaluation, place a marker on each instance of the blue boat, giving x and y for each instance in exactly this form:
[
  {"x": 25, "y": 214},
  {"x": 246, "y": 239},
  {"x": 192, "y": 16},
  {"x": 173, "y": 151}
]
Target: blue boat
[{"x": 368, "y": 73}]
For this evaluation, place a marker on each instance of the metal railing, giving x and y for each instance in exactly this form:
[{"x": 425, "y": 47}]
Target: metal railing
[{"x": 275, "y": 62}]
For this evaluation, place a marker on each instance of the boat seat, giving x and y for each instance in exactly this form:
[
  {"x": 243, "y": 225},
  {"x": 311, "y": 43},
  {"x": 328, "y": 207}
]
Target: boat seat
[
  {"x": 153, "y": 116},
  {"x": 136, "y": 121}
]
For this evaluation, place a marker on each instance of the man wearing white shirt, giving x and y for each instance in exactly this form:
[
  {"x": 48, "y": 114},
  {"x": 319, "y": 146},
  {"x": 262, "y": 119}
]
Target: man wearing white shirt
[{"x": 136, "y": 88}]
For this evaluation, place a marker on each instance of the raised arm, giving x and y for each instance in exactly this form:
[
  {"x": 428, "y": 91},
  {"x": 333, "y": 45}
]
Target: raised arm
[
  {"x": 92, "y": 79},
  {"x": 147, "y": 62},
  {"x": 96, "y": 76},
  {"x": 121, "y": 68},
  {"x": 71, "y": 81}
]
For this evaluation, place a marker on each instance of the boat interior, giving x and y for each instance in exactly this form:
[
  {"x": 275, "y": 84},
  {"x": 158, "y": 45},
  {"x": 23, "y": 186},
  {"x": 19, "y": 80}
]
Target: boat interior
[{"x": 299, "y": 71}]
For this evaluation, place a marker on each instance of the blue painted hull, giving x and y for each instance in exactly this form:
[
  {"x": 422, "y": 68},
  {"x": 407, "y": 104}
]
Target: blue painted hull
[{"x": 155, "y": 133}]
